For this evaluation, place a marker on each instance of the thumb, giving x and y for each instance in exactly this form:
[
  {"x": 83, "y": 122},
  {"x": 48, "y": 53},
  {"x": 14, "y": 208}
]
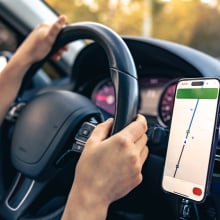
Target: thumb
[{"x": 102, "y": 130}]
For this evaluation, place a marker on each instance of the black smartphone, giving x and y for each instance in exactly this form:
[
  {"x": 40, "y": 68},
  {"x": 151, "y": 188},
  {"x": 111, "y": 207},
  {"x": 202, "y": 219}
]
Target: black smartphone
[{"x": 192, "y": 139}]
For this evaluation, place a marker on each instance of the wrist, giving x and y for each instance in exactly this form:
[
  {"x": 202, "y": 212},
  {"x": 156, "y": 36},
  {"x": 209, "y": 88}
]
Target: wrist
[
  {"x": 22, "y": 58},
  {"x": 82, "y": 205},
  {"x": 22, "y": 64}
]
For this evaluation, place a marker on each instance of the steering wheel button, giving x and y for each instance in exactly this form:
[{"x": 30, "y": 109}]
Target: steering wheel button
[
  {"x": 81, "y": 138},
  {"x": 77, "y": 147},
  {"x": 85, "y": 132}
]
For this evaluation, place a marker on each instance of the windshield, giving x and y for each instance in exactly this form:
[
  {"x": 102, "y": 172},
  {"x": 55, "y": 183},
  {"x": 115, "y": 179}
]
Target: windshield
[{"x": 190, "y": 22}]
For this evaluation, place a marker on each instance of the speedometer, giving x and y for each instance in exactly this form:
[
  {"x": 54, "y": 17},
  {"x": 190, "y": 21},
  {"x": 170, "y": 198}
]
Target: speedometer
[
  {"x": 104, "y": 96},
  {"x": 166, "y": 103}
]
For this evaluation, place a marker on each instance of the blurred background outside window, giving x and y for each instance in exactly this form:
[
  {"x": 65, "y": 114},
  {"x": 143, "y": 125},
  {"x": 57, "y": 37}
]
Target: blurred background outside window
[
  {"x": 193, "y": 23},
  {"x": 190, "y": 22}
]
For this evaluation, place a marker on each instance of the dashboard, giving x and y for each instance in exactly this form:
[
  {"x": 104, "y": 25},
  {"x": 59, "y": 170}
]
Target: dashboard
[
  {"x": 156, "y": 97},
  {"x": 159, "y": 66}
]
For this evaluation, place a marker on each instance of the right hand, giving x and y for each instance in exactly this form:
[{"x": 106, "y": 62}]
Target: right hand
[
  {"x": 111, "y": 167},
  {"x": 108, "y": 169}
]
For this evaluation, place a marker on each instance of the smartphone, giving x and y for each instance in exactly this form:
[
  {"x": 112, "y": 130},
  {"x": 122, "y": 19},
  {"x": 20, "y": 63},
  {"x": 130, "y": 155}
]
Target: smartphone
[{"x": 192, "y": 139}]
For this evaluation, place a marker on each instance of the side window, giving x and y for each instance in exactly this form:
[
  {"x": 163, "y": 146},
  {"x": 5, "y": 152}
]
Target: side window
[
  {"x": 8, "y": 39},
  {"x": 8, "y": 44}
]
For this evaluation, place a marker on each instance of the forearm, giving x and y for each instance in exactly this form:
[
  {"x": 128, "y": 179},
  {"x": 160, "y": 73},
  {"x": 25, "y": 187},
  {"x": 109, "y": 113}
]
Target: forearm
[
  {"x": 81, "y": 206},
  {"x": 35, "y": 47},
  {"x": 19, "y": 63},
  {"x": 10, "y": 81}
]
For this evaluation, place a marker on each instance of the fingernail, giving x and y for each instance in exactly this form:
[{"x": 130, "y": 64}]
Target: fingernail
[
  {"x": 62, "y": 20},
  {"x": 109, "y": 120}
]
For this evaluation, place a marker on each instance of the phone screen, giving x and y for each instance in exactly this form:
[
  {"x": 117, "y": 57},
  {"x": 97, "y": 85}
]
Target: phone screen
[{"x": 190, "y": 152}]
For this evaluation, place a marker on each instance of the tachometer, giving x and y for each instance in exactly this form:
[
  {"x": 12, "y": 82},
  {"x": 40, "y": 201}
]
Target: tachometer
[
  {"x": 166, "y": 103},
  {"x": 104, "y": 96}
]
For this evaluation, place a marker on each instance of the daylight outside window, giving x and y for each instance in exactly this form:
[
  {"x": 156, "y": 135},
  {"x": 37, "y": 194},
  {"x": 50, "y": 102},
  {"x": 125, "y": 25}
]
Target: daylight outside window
[{"x": 189, "y": 22}]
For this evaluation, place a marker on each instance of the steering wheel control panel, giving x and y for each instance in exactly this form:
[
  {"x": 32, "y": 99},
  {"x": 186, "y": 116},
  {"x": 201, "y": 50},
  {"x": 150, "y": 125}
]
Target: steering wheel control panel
[
  {"x": 79, "y": 141},
  {"x": 82, "y": 136}
]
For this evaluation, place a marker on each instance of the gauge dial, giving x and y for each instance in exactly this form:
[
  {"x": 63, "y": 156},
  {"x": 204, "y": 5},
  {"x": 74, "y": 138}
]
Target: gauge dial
[
  {"x": 166, "y": 103},
  {"x": 104, "y": 96}
]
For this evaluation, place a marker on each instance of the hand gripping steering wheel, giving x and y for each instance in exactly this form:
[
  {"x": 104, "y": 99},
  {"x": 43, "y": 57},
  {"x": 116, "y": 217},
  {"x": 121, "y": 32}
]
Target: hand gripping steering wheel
[{"x": 47, "y": 125}]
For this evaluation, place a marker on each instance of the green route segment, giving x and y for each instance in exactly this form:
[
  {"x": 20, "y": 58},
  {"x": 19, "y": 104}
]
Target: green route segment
[{"x": 197, "y": 93}]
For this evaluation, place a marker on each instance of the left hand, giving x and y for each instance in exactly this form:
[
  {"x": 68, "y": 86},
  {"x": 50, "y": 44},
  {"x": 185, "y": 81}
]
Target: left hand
[{"x": 40, "y": 41}]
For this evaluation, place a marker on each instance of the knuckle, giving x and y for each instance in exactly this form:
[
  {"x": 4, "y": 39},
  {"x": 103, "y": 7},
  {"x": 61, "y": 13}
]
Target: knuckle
[
  {"x": 123, "y": 141},
  {"x": 139, "y": 178},
  {"x": 146, "y": 151},
  {"x": 135, "y": 165},
  {"x": 133, "y": 159},
  {"x": 145, "y": 138},
  {"x": 144, "y": 125}
]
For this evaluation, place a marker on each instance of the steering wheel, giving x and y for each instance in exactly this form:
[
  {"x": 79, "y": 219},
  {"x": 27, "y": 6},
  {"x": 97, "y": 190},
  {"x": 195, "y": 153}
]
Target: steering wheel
[{"x": 51, "y": 128}]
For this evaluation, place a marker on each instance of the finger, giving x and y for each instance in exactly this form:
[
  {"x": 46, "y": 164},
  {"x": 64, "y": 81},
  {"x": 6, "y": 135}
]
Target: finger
[
  {"x": 65, "y": 47},
  {"x": 56, "y": 57},
  {"x": 57, "y": 26},
  {"x": 59, "y": 53},
  {"x": 144, "y": 154},
  {"x": 102, "y": 130},
  {"x": 140, "y": 146},
  {"x": 62, "y": 20},
  {"x": 135, "y": 129}
]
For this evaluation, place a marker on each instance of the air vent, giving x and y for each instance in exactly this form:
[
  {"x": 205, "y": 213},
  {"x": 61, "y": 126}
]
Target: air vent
[{"x": 217, "y": 163}]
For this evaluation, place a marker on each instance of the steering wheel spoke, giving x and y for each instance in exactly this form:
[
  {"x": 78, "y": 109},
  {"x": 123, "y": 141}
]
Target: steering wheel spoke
[{"x": 20, "y": 196}]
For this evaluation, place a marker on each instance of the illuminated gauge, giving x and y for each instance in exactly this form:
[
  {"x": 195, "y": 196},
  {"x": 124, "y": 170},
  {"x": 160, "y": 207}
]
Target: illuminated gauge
[
  {"x": 166, "y": 103},
  {"x": 104, "y": 96}
]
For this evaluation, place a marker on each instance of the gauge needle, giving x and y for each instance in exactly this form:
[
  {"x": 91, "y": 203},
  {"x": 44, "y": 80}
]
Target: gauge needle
[
  {"x": 101, "y": 97},
  {"x": 108, "y": 99}
]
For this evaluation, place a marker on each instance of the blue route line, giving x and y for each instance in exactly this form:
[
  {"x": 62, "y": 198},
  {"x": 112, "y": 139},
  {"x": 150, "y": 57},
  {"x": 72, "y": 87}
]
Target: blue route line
[{"x": 187, "y": 133}]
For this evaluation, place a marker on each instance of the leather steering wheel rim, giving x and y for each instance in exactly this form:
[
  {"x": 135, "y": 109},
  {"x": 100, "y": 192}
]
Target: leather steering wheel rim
[
  {"x": 123, "y": 74},
  {"x": 121, "y": 66}
]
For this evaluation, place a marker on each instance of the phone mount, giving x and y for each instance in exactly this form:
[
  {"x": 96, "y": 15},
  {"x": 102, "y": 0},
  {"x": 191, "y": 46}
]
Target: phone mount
[{"x": 185, "y": 211}]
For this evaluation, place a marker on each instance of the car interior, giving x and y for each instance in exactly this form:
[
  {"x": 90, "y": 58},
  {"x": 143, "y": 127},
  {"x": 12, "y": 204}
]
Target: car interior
[{"x": 109, "y": 76}]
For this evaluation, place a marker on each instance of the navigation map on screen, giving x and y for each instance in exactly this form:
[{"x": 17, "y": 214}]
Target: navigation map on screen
[{"x": 191, "y": 137}]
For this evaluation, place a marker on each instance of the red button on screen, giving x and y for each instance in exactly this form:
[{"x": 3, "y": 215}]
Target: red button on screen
[{"x": 197, "y": 191}]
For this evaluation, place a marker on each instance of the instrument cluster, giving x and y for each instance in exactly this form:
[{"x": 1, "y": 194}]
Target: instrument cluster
[{"x": 156, "y": 97}]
